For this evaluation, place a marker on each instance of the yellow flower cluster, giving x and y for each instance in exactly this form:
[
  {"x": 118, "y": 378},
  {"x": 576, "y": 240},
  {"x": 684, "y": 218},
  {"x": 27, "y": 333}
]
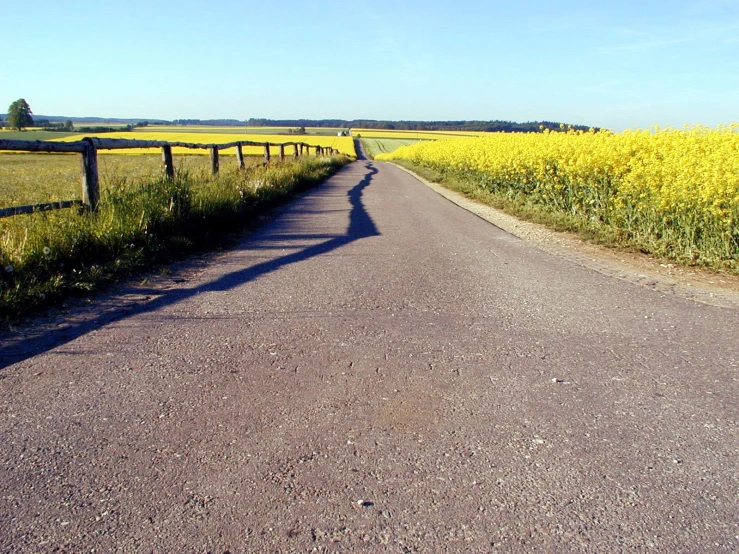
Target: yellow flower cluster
[{"x": 674, "y": 189}]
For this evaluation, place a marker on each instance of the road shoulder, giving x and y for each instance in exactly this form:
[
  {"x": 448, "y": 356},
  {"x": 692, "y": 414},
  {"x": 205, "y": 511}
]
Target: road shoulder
[{"x": 670, "y": 279}]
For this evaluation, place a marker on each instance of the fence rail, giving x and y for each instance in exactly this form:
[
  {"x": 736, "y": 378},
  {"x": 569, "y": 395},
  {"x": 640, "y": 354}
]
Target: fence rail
[{"x": 88, "y": 147}]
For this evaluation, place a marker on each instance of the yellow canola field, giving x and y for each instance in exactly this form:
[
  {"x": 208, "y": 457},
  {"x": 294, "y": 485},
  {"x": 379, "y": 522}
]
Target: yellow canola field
[
  {"x": 673, "y": 191},
  {"x": 420, "y": 135},
  {"x": 345, "y": 145}
]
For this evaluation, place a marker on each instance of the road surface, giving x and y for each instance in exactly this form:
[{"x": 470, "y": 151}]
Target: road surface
[{"x": 375, "y": 370}]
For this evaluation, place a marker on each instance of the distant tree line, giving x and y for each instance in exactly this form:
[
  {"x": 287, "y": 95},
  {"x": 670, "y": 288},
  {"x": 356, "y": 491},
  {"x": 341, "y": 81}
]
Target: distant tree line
[
  {"x": 46, "y": 125},
  {"x": 68, "y": 126},
  {"x": 210, "y": 122},
  {"x": 104, "y": 129},
  {"x": 490, "y": 126},
  {"x": 19, "y": 116}
]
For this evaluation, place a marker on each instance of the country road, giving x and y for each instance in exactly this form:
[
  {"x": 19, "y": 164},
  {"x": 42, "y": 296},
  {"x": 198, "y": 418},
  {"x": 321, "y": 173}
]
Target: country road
[{"x": 375, "y": 370}]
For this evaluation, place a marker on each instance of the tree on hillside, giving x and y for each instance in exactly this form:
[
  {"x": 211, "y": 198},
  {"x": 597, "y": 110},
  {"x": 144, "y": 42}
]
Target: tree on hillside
[{"x": 19, "y": 115}]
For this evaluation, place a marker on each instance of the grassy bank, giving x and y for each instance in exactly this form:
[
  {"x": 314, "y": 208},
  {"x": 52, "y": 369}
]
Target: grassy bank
[{"x": 141, "y": 222}]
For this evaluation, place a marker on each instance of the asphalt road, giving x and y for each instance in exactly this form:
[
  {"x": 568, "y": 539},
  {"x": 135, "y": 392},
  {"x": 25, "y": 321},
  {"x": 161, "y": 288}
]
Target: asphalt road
[{"x": 375, "y": 370}]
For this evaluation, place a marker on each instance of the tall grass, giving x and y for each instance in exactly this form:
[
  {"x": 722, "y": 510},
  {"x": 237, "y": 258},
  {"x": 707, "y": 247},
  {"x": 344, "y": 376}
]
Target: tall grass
[{"x": 140, "y": 222}]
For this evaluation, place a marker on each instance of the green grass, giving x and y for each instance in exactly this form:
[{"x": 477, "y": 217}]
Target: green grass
[
  {"x": 35, "y": 178},
  {"x": 375, "y": 146},
  {"x": 32, "y": 135},
  {"x": 143, "y": 220}
]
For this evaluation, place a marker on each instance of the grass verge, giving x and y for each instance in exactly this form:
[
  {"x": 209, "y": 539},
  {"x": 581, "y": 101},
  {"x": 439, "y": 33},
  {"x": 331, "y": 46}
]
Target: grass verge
[{"x": 47, "y": 257}]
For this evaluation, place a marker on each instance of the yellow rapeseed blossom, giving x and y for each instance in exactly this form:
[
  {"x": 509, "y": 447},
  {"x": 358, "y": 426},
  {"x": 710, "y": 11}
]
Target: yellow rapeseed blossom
[{"x": 676, "y": 190}]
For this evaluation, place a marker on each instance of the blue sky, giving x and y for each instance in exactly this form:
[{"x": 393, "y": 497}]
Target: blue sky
[{"x": 615, "y": 64}]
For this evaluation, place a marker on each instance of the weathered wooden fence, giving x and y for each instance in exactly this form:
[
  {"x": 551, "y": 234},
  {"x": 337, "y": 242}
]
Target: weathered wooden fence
[{"x": 88, "y": 148}]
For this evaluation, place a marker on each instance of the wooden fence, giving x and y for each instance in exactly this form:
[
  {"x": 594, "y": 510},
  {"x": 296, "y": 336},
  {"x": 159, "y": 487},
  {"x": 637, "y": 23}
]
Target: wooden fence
[{"x": 88, "y": 148}]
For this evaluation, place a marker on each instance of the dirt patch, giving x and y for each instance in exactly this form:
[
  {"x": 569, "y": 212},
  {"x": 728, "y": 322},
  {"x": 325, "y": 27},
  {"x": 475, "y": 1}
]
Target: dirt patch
[{"x": 694, "y": 283}]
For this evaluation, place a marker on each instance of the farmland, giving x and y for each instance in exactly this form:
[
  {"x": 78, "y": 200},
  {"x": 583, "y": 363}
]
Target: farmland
[
  {"x": 345, "y": 145},
  {"x": 670, "y": 192},
  {"x": 377, "y": 146},
  {"x": 33, "y": 134},
  {"x": 384, "y": 141},
  {"x": 33, "y": 178},
  {"x": 413, "y": 135},
  {"x": 246, "y": 131}
]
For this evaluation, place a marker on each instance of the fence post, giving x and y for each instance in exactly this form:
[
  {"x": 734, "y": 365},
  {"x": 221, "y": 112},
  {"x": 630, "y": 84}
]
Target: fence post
[
  {"x": 90, "y": 181},
  {"x": 266, "y": 152},
  {"x": 282, "y": 152},
  {"x": 240, "y": 156},
  {"x": 295, "y": 154},
  {"x": 214, "y": 159},
  {"x": 167, "y": 160}
]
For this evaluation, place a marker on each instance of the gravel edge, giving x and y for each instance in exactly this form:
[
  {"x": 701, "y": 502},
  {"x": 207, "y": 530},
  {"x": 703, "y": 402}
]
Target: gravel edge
[{"x": 667, "y": 278}]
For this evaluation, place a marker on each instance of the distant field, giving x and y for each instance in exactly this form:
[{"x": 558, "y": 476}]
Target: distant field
[
  {"x": 100, "y": 124},
  {"x": 27, "y": 178},
  {"x": 31, "y": 135},
  {"x": 418, "y": 135},
  {"x": 329, "y": 131},
  {"x": 381, "y": 146},
  {"x": 39, "y": 134},
  {"x": 344, "y": 145}
]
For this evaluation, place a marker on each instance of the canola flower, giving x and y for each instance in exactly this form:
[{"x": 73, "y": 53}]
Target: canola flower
[{"x": 674, "y": 192}]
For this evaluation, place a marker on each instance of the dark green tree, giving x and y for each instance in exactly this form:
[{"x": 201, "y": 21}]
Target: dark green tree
[{"x": 19, "y": 115}]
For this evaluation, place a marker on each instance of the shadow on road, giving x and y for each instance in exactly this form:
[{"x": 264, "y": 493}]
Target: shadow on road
[
  {"x": 16, "y": 349},
  {"x": 359, "y": 149}
]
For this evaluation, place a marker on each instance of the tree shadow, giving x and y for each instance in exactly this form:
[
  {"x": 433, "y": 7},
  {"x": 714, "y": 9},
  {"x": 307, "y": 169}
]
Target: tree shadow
[{"x": 16, "y": 349}]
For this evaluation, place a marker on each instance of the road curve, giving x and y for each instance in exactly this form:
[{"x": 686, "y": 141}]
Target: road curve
[{"x": 376, "y": 370}]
